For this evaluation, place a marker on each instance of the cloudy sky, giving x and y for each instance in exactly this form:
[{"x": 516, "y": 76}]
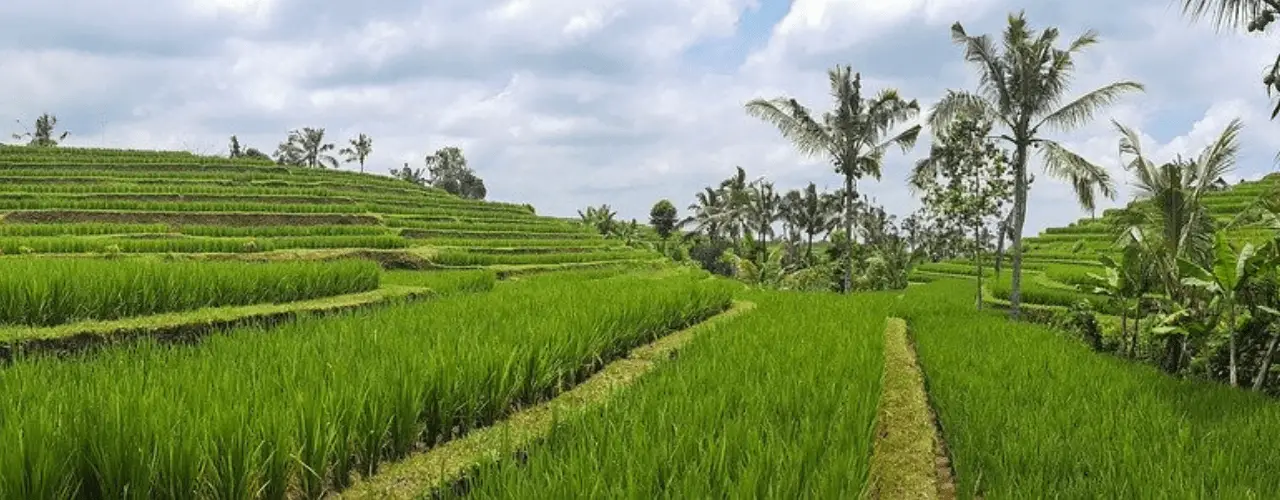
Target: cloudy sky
[{"x": 565, "y": 103}]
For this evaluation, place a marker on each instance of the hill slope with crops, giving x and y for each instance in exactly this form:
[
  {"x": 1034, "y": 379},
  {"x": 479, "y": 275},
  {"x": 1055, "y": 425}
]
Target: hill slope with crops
[{"x": 103, "y": 201}]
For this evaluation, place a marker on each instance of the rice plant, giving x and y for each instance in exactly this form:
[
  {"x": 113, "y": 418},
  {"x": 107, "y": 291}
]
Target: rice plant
[
  {"x": 780, "y": 403},
  {"x": 459, "y": 258},
  {"x": 295, "y": 410},
  {"x": 93, "y": 229},
  {"x": 1030, "y": 414},
  {"x": 445, "y": 282},
  {"x": 70, "y": 244},
  {"x": 56, "y": 291}
]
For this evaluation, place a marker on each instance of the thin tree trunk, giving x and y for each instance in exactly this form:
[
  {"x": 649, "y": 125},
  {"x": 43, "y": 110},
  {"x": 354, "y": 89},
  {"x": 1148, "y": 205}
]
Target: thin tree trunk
[
  {"x": 1265, "y": 367},
  {"x": 1173, "y": 353},
  {"x": 847, "y": 285},
  {"x": 1231, "y": 345},
  {"x": 808, "y": 252},
  {"x": 1133, "y": 340},
  {"x": 362, "y": 166},
  {"x": 999, "y": 247},
  {"x": 1019, "y": 217},
  {"x": 1124, "y": 327},
  {"x": 977, "y": 258}
]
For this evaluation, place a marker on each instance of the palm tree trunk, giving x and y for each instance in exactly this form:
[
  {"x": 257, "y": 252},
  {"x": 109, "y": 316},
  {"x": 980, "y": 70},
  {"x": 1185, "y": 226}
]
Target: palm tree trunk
[
  {"x": 362, "y": 166},
  {"x": 809, "y": 250},
  {"x": 847, "y": 284},
  {"x": 1019, "y": 218},
  {"x": 1265, "y": 367}
]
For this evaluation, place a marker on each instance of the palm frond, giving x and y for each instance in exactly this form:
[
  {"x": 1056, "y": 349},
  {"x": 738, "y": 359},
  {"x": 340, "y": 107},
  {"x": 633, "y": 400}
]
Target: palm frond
[
  {"x": 981, "y": 51},
  {"x": 795, "y": 122},
  {"x": 958, "y": 102},
  {"x": 1084, "y": 176},
  {"x": 923, "y": 174},
  {"x": 1081, "y": 110},
  {"x": 1219, "y": 158},
  {"x": 1224, "y": 13},
  {"x": 1086, "y": 39}
]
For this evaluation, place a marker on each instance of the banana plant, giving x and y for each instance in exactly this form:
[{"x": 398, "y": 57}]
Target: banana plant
[
  {"x": 1226, "y": 279},
  {"x": 1126, "y": 281},
  {"x": 1184, "y": 321}
]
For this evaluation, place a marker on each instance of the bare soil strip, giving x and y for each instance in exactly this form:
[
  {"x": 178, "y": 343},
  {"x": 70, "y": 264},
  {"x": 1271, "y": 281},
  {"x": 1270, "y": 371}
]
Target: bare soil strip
[
  {"x": 185, "y": 326},
  {"x": 902, "y": 464},
  {"x": 448, "y": 463}
]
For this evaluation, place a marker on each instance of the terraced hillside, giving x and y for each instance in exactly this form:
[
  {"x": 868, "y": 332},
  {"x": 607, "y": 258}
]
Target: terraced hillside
[
  {"x": 1059, "y": 260},
  {"x": 102, "y": 244},
  {"x": 78, "y": 201}
]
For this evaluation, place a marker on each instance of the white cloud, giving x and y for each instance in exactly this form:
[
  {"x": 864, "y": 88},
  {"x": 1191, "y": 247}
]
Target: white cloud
[{"x": 564, "y": 103}]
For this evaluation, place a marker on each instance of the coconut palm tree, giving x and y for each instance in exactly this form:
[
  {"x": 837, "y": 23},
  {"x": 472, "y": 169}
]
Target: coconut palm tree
[
  {"x": 359, "y": 150},
  {"x": 306, "y": 148},
  {"x": 736, "y": 194},
  {"x": 1172, "y": 223},
  {"x": 762, "y": 211},
  {"x": 1022, "y": 87},
  {"x": 706, "y": 214},
  {"x": 43, "y": 135},
  {"x": 812, "y": 215},
  {"x": 853, "y": 136}
]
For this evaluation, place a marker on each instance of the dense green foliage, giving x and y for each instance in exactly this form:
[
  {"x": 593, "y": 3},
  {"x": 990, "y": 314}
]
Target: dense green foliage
[{"x": 55, "y": 291}]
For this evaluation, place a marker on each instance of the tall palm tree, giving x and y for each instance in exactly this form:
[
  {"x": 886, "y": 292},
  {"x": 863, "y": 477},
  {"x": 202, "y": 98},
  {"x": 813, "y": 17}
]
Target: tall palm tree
[
  {"x": 789, "y": 211},
  {"x": 853, "y": 136},
  {"x": 1174, "y": 224},
  {"x": 706, "y": 214},
  {"x": 43, "y": 135},
  {"x": 812, "y": 217},
  {"x": 735, "y": 211},
  {"x": 359, "y": 150},
  {"x": 306, "y": 148},
  {"x": 762, "y": 211},
  {"x": 1022, "y": 86}
]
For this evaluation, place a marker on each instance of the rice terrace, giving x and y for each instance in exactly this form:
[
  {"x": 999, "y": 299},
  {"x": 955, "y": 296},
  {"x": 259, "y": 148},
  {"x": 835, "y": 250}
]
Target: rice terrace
[{"x": 314, "y": 324}]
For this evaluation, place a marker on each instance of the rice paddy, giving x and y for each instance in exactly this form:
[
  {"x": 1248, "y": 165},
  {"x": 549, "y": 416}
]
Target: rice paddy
[
  {"x": 1030, "y": 414},
  {"x": 792, "y": 398},
  {"x": 51, "y": 292}
]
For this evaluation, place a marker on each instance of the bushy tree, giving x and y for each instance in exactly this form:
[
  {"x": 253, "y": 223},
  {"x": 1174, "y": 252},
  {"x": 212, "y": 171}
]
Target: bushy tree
[
  {"x": 965, "y": 184},
  {"x": 663, "y": 218},
  {"x": 447, "y": 169}
]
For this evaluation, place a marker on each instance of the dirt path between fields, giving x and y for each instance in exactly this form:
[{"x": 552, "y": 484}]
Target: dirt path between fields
[{"x": 910, "y": 459}]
